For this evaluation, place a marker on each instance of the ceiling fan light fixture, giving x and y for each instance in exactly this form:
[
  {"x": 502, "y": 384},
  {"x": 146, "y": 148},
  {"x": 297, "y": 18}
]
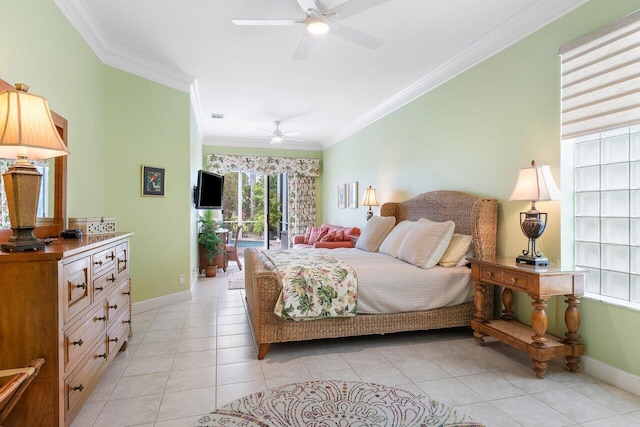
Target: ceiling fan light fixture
[
  {"x": 317, "y": 26},
  {"x": 276, "y": 139}
]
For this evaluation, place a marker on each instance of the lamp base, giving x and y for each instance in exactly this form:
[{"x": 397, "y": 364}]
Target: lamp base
[
  {"x": 533, "y": 260},
  {"x": 23, "y": 240}
]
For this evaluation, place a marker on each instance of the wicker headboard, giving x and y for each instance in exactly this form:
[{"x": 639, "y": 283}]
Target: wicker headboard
[{"x": 472, "y": 215}]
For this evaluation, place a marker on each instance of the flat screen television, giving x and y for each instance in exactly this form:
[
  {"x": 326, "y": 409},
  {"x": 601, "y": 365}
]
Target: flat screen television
[{"x": 208, "y": 193}]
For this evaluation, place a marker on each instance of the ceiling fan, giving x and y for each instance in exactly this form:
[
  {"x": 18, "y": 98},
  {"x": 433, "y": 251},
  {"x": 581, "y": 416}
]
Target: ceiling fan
[
  {"x": 277, "y": 136},
  {"x": 320, "y": 21}
]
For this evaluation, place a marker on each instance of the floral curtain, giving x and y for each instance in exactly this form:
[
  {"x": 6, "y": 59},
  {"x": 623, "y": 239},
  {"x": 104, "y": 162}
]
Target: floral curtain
[
  {"x": 302, "y": 204},
  {"x": 222, "y": 163},
  {"x": 301, "y": 174}
]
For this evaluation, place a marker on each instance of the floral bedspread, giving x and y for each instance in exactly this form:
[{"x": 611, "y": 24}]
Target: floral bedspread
[{"x": 314, "y": 284}]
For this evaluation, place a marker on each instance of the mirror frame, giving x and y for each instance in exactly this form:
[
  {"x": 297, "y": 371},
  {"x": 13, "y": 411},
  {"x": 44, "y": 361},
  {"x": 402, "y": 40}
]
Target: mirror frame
[{"x": 52, "y": 226}]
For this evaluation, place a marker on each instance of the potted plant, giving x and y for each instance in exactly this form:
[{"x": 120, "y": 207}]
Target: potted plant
[{"x": 211, "y": 242}]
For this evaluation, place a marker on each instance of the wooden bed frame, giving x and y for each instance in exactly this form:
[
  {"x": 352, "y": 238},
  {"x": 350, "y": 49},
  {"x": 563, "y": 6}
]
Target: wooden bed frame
[{"x": 472, "y": 215}]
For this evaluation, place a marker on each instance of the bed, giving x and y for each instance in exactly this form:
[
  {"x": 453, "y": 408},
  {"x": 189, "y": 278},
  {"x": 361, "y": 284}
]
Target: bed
[{"x": 472, "y": 215}]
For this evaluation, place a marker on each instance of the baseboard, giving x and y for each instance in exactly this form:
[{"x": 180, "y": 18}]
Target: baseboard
[
  {"x": 614, "y": 376},
  {"x": 163, "y": 301}
]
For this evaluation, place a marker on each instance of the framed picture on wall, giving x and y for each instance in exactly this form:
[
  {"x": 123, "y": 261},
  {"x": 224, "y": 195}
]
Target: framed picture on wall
[
  {"x": 342, "y": 197},
  {"x": 153, "y": 181},
  {"x": 352, "y": 194}
]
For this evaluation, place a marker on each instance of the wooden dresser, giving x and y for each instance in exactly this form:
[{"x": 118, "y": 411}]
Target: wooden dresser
[{"x": 69, "y": 304}]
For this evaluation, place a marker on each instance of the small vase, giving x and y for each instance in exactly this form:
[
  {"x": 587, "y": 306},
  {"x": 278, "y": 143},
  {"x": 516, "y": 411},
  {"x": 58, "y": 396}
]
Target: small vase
[{"x": 210, "y": 270}]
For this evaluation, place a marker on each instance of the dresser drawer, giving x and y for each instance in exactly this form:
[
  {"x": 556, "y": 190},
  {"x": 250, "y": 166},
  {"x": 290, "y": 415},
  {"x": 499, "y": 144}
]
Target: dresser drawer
[
  {"x": 118, "y": 333},
  {"x": 81, "y": 383},
  {"x": 122, "y": 260},
  {"x": 102, "y": 284},
  {"x": 103, "y": 260},
  {"x": 75, "y": 277},
  {"x": 515, "y": 280},
  {"x": 492, "y": 274},
  {"x": 117, "y": 302},
  {"x": 80, "y": 337}
]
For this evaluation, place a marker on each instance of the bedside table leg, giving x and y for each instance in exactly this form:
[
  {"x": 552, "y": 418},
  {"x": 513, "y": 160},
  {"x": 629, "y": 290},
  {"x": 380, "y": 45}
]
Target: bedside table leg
[
  {"x": 539, "y": 323},
  {"x": 478, "y": 310},
  {"x": 539, "y": 368},
  {"x": 572, "y": 320},
  {"x": 507, "y": 302}
]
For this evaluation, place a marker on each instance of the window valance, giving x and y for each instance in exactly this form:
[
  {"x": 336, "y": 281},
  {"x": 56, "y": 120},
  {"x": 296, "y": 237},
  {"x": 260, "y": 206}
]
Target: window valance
[{"x": 223, "y": 163}]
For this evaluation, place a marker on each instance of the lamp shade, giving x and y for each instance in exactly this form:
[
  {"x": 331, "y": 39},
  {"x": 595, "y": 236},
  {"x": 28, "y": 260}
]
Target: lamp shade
[
  {"x": 370, "y": 198},
  {"x": 26, "y": 128},
  {"x": 535, "y": 184}
]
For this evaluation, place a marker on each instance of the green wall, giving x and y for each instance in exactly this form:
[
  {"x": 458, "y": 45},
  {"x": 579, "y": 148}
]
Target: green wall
[
  {"x": 473, "y": 134},
  {"x": 148, "y": 124},
  {"x": 117, "y": 122}
]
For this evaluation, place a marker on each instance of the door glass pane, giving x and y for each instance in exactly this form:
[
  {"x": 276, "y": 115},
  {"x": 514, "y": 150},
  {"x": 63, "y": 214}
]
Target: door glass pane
[
  {"x": 615, "y": 177},
  {"x": 615, "y": 203},
  {"x": 615, "y": 230}
]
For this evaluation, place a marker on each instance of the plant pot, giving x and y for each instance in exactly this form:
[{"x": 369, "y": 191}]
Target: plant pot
[{"x": 210, "y": 270}]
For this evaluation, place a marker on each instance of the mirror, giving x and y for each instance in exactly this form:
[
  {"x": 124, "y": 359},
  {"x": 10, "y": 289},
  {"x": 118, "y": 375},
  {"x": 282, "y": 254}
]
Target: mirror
[{"x": 56, "y": 185}]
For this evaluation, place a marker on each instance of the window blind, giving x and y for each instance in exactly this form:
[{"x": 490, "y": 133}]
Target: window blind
[{"x": 601, "y": 79}]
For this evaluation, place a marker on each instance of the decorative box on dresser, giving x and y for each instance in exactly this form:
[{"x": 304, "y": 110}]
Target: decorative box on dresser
[{"x": 69, "y": 304}]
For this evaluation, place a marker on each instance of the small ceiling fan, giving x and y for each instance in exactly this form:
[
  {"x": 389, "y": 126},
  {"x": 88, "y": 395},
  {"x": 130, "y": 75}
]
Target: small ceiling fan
[
  {"x": 320, "y": 21},
  {"x": 277, "y": 136}
]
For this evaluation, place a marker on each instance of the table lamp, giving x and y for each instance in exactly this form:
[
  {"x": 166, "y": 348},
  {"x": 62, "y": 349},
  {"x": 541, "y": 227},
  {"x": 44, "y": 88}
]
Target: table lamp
[
  {"x": 26, "y": 131},
  {"x": 370, "y": 199},
  {"x": 535, "y": 184}
]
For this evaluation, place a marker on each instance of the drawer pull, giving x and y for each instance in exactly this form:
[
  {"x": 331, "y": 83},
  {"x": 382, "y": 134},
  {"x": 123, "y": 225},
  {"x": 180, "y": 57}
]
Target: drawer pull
[
  {"x": 123, "y": 261},
  {"x": 113, "y": 339},
  {"x": 512, "y": 280},
  {"x": 126, "y": 321},
  {"x": 78, "y": 343},
  {"x": 489, "y": 274},
  {"x": 111, "y": 256},
  {"x": 114, "y": 306},
  {"x": 98, "y": 288},
  {"x": 111, "y": 279},
  {"x": 101, "y": 318},
  {"x": 82, "y": 285},
  {"x": 78, "y": 388},
  {"x": 97, "y": 262},
  {"x": 126, "y": 293},
  {"x": 103, "y": 355}
]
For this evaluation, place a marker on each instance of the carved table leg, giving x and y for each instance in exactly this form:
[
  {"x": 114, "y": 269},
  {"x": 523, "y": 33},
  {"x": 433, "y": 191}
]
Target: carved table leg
[
  {"x": 507, "y": 302},
  {"x": 539, "y": 368},
  {"x": 572, "y": 320},
  {"x": 478, "y": 312},
  {"x": 539, "y": 323}
]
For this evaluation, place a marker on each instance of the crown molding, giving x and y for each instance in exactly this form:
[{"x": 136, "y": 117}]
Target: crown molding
[
  {"x": 526, "y": 22},
  {"x": 260, "y": 143},
  {"x": 82, "y": 20}
]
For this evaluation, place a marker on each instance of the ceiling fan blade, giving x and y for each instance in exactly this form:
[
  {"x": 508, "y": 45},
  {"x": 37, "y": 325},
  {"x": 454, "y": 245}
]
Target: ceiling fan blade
[
  {"x": 355, "y": 36},
  {"x": 354, "y": 6},
  {"x": 269, "y": 22},
  {"x": 304, "y": 47}
]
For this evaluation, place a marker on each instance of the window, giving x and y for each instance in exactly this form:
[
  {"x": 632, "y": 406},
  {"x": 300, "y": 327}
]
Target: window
[
  {"x": 607, "y": 213},
  {"x": 601, "y": 124}
]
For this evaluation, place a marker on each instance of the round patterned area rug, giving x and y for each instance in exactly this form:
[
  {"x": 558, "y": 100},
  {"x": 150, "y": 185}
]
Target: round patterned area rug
[{"x": 335, "y": 404}]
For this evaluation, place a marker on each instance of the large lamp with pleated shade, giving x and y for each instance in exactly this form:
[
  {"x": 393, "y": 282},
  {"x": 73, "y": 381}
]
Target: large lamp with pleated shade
[{"x": 27, "y": 132}]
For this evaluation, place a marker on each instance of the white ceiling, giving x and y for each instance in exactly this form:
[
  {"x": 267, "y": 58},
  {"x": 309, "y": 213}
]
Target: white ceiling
[{"x": 247, "y": 72}]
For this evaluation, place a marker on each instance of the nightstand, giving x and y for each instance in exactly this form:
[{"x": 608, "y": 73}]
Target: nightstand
[{"x": 540, "y": 283}]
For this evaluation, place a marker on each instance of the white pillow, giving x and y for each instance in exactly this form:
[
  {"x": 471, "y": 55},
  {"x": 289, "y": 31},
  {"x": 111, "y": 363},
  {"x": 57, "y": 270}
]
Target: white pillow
[
  {"x": 457, "y": 249},
  {"x": 394, "y": 239},
  {"x": 374, "y": 232},
  {"x": 426, "y": 243}
]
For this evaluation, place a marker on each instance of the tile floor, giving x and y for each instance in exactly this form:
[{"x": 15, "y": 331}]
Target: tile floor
[{"x": 186, "y": 359}]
